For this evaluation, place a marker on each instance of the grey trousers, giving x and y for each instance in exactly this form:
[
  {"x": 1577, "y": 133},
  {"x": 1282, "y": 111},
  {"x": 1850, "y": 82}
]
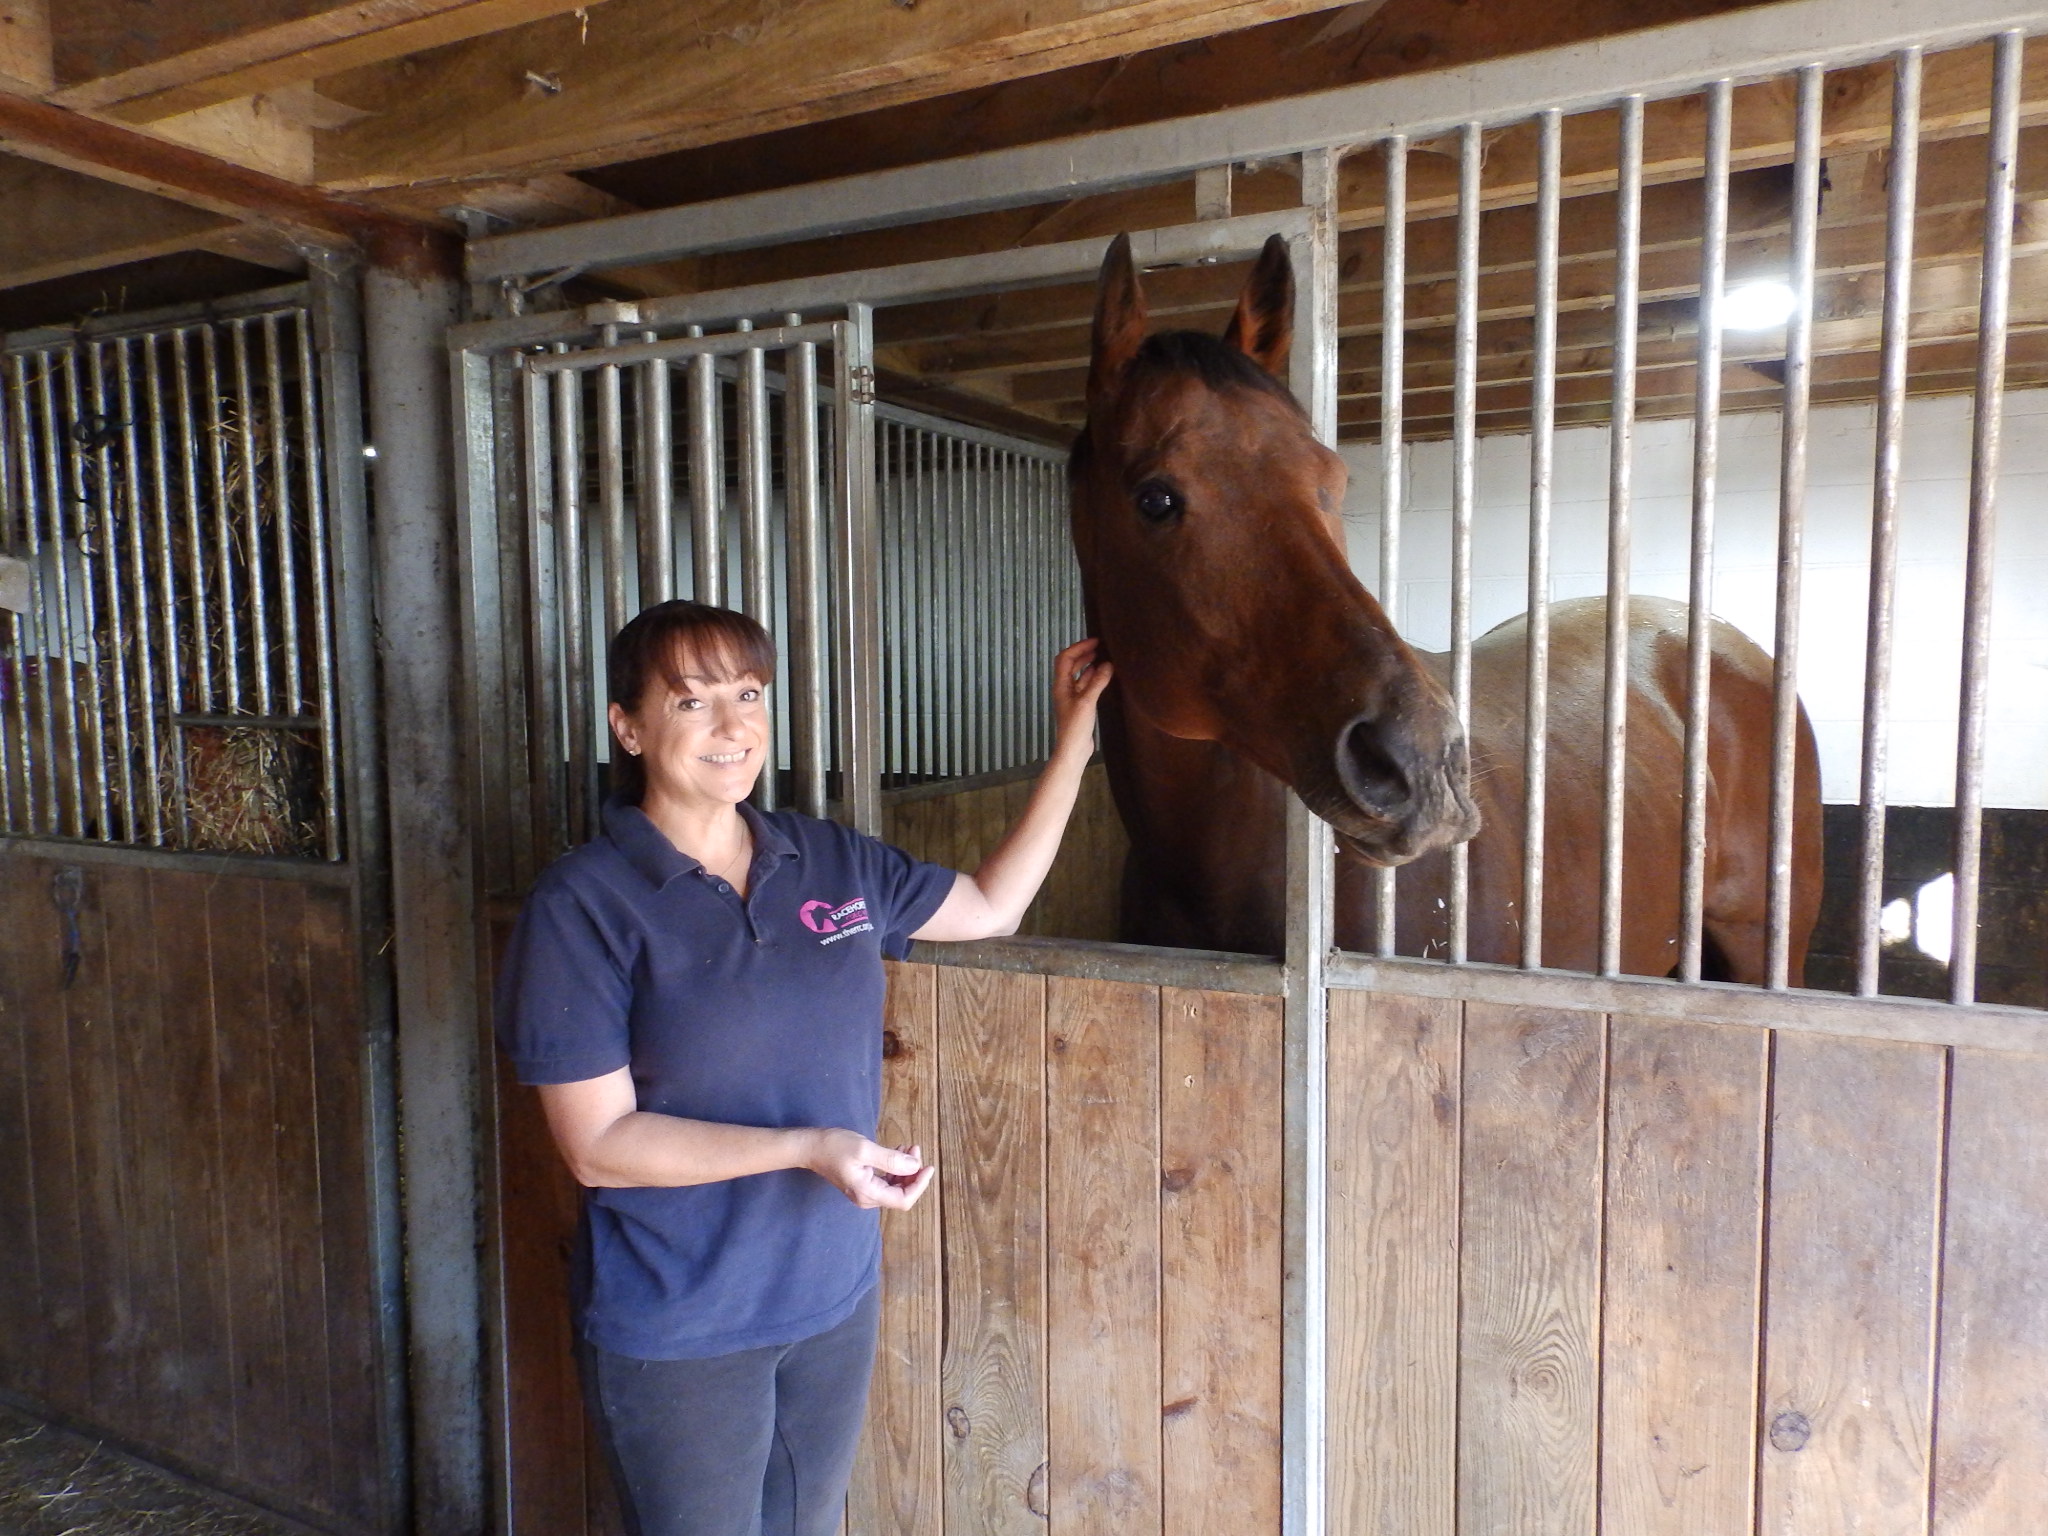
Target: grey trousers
[{"x": 755, "y": 1443}]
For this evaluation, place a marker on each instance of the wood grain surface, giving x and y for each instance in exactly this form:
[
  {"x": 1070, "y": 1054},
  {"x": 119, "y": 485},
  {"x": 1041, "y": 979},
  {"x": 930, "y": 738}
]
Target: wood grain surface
[
  {"x": 1394, "y": 1135},
  {"x": 1528, "y": 1390},
  {"x": 1685, "y": 1182}
]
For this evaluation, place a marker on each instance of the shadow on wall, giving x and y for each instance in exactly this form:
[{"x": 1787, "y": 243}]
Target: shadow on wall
[{"x": 2012, "y": 945}]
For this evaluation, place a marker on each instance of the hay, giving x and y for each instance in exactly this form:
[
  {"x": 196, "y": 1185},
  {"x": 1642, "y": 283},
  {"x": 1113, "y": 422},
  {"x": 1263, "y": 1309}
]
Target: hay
[{"x": 247, "y": 790}]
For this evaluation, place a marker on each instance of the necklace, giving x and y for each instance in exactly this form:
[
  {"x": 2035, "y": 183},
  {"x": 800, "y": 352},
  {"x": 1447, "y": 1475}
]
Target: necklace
[{"x": 724, "y": 871}]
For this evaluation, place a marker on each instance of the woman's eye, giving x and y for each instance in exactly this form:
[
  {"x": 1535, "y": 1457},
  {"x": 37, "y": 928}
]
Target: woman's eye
[
  {"x": 1157, "y": 501},
  {"x": 751, "y": 696},
  {"x": 689, "y": 703}
]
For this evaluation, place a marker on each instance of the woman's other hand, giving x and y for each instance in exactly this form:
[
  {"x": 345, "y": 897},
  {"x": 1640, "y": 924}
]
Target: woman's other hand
[
  {"x": 870, "y": 1175},
  {"x": 1079, "y": 674}
]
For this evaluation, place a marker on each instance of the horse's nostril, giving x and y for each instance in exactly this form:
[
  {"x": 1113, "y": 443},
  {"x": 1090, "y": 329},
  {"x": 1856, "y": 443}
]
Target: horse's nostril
[{"x": 1372, "y": 776}]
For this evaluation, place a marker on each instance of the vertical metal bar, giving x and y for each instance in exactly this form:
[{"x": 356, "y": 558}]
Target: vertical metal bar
[
  {"x": 252, "y": 509},
  {"x": 1543, "y": 429},
  {"x": 1393, "y": 448},
  {"x": 976, "y": 505},
  {"x": 1311, "y": 884},
  {"x": 145, "y": 713},
  {"x": 324, "y": 656},
  {"x": 1628, "y": 262},
  {"x": 890, "y": 508},
  {"x": 1902, "y": 196},
  {"x": 1994, "y": 306},
  {"x": 546, "y": 744},
  {"x": 611, "y": 489},
  {"x": 223, "y": 532},
  {"x": 1010, "y": 565},
  {"x": 656, "y": 482},
  {"x": 757, "y": 567},
  {"x": 945, "y": 483},
  {"x": 1792, "y": 526},
  {"x": 40, "y": 594},
  {"x": 860, "y": 693},
  {"x": 101, "y": 422},
  {"x": 1464, "y": 445},
  {"x": 707, "y": 482},
  {"x": 808, "y": 606},
  {"x": 74, "y": 490},
  {"x": 162, "y": 727},
  {"x": 287, "y": 522},
  {"x": 20, "y": 746},
  {"x": 189, "y": 433},
  {"x": 574, "y": 574},
  {"x": 1706, "y": 452}
]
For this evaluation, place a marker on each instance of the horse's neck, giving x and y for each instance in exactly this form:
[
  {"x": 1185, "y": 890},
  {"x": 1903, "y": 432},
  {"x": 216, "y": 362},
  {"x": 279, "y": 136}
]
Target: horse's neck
[{"x": 1208, "y": 839}]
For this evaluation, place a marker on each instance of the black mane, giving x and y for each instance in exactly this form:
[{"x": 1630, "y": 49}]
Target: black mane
[{"x": 1208, "y": 358}]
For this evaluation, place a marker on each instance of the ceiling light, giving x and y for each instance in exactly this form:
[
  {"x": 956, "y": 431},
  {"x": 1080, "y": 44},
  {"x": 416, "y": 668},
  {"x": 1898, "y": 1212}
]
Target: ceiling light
[{"x": 1761, "y": 306}]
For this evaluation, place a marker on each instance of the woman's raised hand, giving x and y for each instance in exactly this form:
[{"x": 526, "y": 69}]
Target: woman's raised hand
[
  {"x": 1079, "y": 674},
  {"x": 868, "y": 1173}
]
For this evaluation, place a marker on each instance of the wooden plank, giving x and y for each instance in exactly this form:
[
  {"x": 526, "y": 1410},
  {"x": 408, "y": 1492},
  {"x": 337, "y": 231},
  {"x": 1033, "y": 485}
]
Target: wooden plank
[
  {"x": 264, "y": 1399},
  {"x": 1394, "y": 1136},
  {"x": 24, "y": 1328},
  {"x": 1856, "y": 1134},
  {"x": 897, "y": 1481},
  {"x": 1991, "y": 1445},
  {"x": 1220, "y": 1262},
  {"x": 1528, "y": 1393},
  {"x": 1102, "y": 1256},
  {"x": 62, "y": 222},
  {"x": 25, "y": 51},
  {"x": 992, "y": 1150},
  {"x": 1684, "y": 1231},
  {"x": 202, "y": 1380}
]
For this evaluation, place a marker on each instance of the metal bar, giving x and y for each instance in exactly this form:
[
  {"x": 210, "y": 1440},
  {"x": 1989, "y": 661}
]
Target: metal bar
[
  {"x": 1792, "y": 525},
  {"x": 287, "y": 524},
  {"x": 1393, "y": 448},
  {"x": 1464, "y": 441},
  {"x": 1705, "y": 462},
  {"x": 166, "y": 573},
  {"x": 1902, "y": 195},
  {"x": 860, "y": 695},
  {"x": 17, "y": 641},
  {"x": 312, "y": 450},
  {"x": 889, "y": 507},
  {"x": 810, "y": 748},
  {"x": 579, "y": 722},
  {"x": 545, "y": 742},
  {"x": 145, "y": 713},
  {"x": 95, "y": 711},
  {"x": 252, "y": 509},
  {"x": 656, "y": 484},
  {"x": 611, "y": 493},
  {"x": 102, "y": 424},
  {"x": 1542, "y": 458},
  {"x": 1628, "y": 261},
  {"x": 163, "y": 318},
  {"x": 611, "y": 353},
  {"x": 1659, "y": 61},
  {"x": 945, "y": 490},
  {"x": 974, "y": 506},
  {"x": 707, "y": 482},
  {"x": 223, "y": 532},
  {"x": 189, "y": 433},
  {"x": 39, "y": 598},
  {"x": 757, "y": 569},
  {"x": 1987, "y": 431}
]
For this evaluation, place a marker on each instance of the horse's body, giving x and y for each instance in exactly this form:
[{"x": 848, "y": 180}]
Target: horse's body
[{"x": 1250, "y": 660}]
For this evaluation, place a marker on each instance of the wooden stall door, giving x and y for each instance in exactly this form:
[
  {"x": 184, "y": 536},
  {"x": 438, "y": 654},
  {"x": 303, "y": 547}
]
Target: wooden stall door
[
  {"x": 184, "y": 1179},
  {"x": 1673, "y": 1278}
]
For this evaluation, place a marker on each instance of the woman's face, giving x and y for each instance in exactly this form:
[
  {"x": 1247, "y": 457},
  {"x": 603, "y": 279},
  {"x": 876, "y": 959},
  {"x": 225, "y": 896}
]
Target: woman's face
[{"x": 702, "y": 742}]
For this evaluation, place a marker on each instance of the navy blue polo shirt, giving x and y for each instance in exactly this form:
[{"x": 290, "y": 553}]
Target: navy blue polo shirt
[{"x": 764, "y": 1012}]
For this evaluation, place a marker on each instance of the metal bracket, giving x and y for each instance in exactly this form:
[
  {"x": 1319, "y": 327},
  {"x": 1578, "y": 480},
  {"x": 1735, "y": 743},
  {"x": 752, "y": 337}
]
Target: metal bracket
[{"x": 861, "y": 388}]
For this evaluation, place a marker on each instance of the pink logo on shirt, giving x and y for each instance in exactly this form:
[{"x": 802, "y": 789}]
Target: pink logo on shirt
[{"x": 830, "y": 917}]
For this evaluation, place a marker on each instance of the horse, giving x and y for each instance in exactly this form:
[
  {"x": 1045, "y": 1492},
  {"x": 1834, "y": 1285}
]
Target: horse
[{"x": 1251, "y": 661}]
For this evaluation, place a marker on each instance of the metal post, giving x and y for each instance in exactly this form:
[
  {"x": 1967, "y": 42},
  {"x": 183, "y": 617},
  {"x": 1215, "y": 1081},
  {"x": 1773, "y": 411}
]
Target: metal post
[
  {"x": 1792, "y": 526},
  {"x": 18, "y": 633},
  {"x": 860, "y": 691},
  {"x": 1994, "y": 308},
  {"x": 757, "y": 566},
  {"x": 611, "y": 490},
  {"x": 573, "y": 572},
  {"x": 252, "y": 510},
  {"x": 146, "y": 710},
  {"x": 1705, "y": 462},
  {"x": 1464, "y": 446},
  {"x": 656, "y": 485},
  {"x": 287, "y": 524},
  {"x": 317, "y": 522},
  {"x": 1393, "y": 448},
  {"x": 1543, "y": 427},
  {"x": 546, "y": 738},
  {"x": 808, "y": 605},
  {"x": 40, "y": 598},
  {"x": 70, "y": 488},
  {"x": 109, "y": 506},
  {"x": 1902, "y": 195},
  {"x": 1628, "y": 260},
  {"x": 231, "y": 701},
  {"x": 707, "y": 482}
]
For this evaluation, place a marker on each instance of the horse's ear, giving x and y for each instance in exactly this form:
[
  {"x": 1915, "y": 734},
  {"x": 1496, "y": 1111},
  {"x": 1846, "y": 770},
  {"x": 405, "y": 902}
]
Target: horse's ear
[
  {"x": 1119, "y": 321},
  {"x": 1263, "y": 327}
]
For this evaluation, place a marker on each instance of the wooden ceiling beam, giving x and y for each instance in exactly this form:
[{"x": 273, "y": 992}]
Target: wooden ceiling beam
[
  {"x": 27, "y": 58},
  {"x": 59, "y": 222}
]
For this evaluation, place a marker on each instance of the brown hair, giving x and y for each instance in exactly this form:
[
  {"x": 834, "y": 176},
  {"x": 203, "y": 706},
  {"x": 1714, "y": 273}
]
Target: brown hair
[{"x": 671, "y": 641}]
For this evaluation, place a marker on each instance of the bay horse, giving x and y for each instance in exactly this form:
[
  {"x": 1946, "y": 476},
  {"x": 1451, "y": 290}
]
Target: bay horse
[{"x": 1250, "y": 660}]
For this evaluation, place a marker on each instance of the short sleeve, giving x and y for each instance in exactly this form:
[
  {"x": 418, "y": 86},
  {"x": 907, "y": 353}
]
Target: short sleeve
[
  {"x": 906, "y": 892},
  {"x": 563, "y": 1001}
]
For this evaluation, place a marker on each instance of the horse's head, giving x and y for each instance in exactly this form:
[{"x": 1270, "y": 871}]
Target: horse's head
[{"x": 1207, "y": 522}]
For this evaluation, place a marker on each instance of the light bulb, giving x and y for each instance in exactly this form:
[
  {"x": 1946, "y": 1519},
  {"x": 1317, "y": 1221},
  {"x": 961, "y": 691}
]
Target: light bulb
[{"x": 1759, "y": 306}]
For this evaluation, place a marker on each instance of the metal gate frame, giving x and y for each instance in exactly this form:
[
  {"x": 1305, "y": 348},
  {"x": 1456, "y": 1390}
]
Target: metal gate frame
[{"x": 1316, "y": 131}]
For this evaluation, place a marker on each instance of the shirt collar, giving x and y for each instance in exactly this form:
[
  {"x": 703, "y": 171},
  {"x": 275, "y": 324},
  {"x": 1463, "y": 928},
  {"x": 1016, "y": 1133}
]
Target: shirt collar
[{"x": 647, "y": 848}]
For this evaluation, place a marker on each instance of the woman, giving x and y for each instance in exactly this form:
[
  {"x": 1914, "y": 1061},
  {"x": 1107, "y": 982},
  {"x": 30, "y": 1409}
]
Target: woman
[{"x": 698, "y": 992}]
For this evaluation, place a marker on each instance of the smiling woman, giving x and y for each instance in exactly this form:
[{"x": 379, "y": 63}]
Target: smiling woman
[{"x": 697, "y": 993}]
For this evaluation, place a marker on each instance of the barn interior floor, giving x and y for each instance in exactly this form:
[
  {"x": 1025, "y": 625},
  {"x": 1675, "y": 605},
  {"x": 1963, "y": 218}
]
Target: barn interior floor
[{"x": 56, "y": 1483}]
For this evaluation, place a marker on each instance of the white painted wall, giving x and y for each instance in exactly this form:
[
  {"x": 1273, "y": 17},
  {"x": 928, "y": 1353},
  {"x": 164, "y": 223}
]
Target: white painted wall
[{"x": 1842, "y": 450}]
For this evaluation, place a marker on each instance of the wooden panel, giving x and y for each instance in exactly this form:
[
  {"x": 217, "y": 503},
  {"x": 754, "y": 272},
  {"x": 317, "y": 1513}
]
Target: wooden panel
[
  {"x": 1991, "y": 1458},
  {"x": 1394, "y": 1129},
  {"x": 1220, "y": 1262},
  {"x": 1102, "y": 1269},
  {"x": 1685, "y": 1133},
  {"x": 897, "y": 1483},
  {"x": 992, "y": 1188},
  {"x": 24, "y": 1325},
  {"x": 1856, "y": 1136},
  {"x": 1528, "y": 1393}
]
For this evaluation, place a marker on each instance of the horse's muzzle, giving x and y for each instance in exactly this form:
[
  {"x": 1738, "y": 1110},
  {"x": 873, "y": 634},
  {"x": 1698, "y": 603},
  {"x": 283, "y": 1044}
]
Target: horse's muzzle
[{"x": 1395, "y": 799}]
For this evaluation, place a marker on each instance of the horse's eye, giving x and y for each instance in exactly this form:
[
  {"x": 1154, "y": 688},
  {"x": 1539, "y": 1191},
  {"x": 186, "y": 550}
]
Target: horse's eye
[{"x": 1157, "y": 501}]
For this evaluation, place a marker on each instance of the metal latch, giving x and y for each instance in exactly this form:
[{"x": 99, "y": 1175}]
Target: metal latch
[{"x": 861, "y": 384}]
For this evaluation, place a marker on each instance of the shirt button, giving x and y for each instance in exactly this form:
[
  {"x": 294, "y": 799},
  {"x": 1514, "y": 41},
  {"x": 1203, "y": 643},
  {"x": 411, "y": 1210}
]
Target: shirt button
[{"x": 723, "y": 886}]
